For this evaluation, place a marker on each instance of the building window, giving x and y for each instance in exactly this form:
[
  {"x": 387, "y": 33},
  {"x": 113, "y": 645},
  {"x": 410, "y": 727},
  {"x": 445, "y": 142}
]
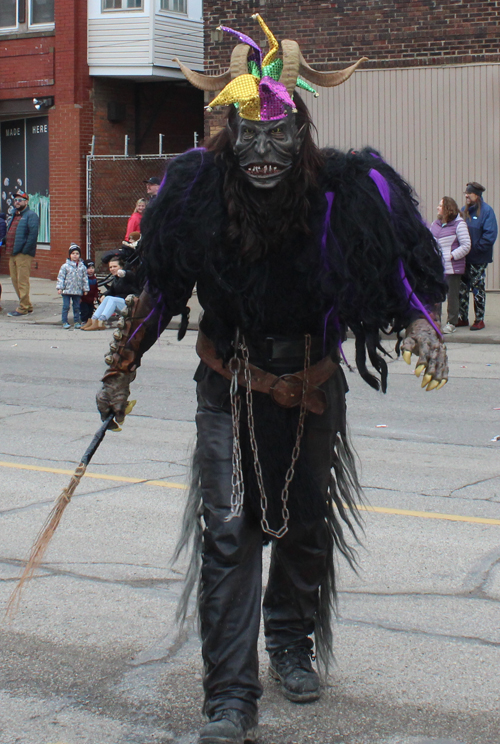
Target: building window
[
  {"x": 41, "y": 12},
  {"x": 8, "y": 14},
  {"x": 24, "y": 164},
  {"x": 176, "y": 6},
  {"x": 122, "y": 4}
]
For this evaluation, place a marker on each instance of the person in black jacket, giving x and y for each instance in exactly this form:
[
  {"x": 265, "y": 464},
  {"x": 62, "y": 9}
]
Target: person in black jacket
[
  {"x": 3, "y": 232},
  {"x": 113, "y": 300}
]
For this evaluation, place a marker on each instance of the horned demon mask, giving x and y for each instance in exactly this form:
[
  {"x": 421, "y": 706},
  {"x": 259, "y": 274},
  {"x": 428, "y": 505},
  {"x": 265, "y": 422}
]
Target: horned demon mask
[{"x": 261, "y": 88}]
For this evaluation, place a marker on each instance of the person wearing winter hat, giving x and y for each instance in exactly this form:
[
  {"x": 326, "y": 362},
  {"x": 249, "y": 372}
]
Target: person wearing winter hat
[
  {"x": 20, "y": 244},
  {"x": 483, "y": 230},
  {"x": 72, "y": 283}
]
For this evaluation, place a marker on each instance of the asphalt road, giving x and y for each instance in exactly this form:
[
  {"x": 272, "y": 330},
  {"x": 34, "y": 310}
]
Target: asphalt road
[{"x": 93, "y": 655}]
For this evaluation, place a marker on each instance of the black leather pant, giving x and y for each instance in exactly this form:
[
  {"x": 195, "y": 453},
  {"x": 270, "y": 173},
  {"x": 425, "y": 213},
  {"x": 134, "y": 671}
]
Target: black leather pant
[{"x": 231, "y": 579}]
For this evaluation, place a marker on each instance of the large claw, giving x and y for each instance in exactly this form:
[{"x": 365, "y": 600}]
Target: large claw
[
  {"x": 116, "y": 427},
  {"x": 407, "y": 356},
  {"x": 423, "y": 341},
  {"x": 425, "y": 380}
]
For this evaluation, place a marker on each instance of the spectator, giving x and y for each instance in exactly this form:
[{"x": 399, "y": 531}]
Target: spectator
[
  {"x": 453, "y": 239},
  {"x": 134, "y": 222},
  {"x": 152, "y": 186},
  {"x": 87, "y": 306},
  {"x": 3, "y": 232},
  {"x": 482, "y": 224},
  {"x": 20, "y": 241},
  {"x": 113, "y": 300},
  {"x": 72, "y": 283}
]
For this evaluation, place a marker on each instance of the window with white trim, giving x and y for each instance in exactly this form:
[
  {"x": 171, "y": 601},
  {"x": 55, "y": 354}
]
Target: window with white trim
[
  {"x": 122, "y": 4},
  {"x": 175, "y": 6},
  {"x": 8, "y": 14},
  {"x": 22, "y": 16},
  {"x": 41, "y": 12}
]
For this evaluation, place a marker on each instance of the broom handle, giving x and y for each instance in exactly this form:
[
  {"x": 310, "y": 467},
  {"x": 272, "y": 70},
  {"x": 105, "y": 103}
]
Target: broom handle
[{"x": 98, "y": 437}]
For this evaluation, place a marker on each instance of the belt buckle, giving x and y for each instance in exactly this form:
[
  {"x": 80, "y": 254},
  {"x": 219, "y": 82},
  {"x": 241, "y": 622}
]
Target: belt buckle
[{"x": 289, "y": 393}]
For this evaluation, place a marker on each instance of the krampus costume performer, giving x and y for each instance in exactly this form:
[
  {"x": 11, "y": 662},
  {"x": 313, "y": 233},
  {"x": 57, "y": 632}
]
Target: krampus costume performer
[{"x": 288, "y": 246}]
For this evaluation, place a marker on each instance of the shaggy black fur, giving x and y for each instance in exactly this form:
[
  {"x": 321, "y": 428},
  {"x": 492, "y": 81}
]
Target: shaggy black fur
[{"x": 293, "y": 286}]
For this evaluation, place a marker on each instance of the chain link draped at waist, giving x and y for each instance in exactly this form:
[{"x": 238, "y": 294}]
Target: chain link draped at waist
[{"x": 286, "y": 390}]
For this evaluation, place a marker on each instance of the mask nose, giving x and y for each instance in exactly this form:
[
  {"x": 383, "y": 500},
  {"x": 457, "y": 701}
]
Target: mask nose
[{"x": 262, "y": 144}]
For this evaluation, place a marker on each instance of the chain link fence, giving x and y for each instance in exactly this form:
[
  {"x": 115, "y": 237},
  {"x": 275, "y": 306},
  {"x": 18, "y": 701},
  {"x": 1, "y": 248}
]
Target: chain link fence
[{"x": 114, "y": 183}]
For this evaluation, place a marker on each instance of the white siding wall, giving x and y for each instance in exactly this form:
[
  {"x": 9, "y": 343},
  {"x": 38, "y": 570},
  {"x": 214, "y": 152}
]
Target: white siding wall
[
  {"x": 175, "y": 36},
  {"x": 438, "y": 126},
  {"x": 116, "y": 40},
  {"x": 132, "y": 43}
]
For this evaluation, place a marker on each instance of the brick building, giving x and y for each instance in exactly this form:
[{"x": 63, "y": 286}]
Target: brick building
[
  {"x": 428, "y": 99},
  {"x": 131, "y": 88}
]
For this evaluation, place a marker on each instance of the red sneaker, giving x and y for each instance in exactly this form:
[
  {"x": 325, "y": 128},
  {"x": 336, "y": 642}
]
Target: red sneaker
[
  {"x": 478, "y": 325},
  {"x": 462, "y": 323}
]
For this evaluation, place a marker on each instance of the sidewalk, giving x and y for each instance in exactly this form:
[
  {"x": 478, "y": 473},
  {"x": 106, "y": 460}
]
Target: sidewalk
[
  {"x": 47, "y": 305},
  {"x": 47, "y": 311}
]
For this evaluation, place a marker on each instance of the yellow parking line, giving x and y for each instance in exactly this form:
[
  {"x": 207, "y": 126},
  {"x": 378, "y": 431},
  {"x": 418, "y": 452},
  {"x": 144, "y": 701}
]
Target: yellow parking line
[
  {"x": 182, "y": 486},
  {"x": 428, "y": 515},
  {"x": 102, "y": 476}
]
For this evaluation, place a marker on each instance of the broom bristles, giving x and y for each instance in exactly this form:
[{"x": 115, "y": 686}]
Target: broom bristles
[{"x": 41, "y": 544}]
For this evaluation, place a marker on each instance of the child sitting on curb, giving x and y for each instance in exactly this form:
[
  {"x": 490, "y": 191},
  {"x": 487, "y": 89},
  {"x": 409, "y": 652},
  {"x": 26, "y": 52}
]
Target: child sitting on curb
[
  {"x": 72, "y": 283},
  {"x": 87, "y": 306}
]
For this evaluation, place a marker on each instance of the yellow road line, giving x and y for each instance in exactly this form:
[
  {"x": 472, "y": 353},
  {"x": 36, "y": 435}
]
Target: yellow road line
[
  {"x": 118, "y": 478},
  {"x": 429, "y": 515},
  {"x": 182, "y": 486}
]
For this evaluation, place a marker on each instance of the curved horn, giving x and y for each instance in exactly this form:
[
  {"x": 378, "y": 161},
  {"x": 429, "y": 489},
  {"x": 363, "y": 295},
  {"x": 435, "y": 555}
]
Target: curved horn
[
  {"x": 239, "y": 60},
  {"x": 204, "y": 82},
  {"x": 218, "y": 82},
  {"x": 327, "y": 79},
  {"x": 291, "y": 64}
]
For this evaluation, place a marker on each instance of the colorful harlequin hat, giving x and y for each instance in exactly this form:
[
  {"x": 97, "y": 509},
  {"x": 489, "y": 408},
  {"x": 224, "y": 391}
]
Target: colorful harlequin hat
[{"x": 261, "y": 87}]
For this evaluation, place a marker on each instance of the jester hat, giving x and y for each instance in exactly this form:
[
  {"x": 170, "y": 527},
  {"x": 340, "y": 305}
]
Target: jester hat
[{"x": 261, "y": 87}]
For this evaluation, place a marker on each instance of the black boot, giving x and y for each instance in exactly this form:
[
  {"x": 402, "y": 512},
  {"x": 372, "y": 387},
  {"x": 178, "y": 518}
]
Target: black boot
[
  {"x": 229, "y": 726},
  {"x": 293, "y": 668}
]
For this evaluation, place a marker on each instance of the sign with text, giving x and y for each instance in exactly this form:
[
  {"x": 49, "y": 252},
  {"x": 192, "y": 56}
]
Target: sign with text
[{"x": 24, "y": 164}]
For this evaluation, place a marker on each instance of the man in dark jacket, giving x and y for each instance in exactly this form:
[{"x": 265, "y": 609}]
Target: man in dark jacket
[
  {"x": 483, "y": 230},
  {"x": 3, "y": 231},
  {"x": 22, "y": 235}
]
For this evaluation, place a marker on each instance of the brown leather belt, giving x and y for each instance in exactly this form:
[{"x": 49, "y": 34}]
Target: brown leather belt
[{"x": 285, "y": 390}]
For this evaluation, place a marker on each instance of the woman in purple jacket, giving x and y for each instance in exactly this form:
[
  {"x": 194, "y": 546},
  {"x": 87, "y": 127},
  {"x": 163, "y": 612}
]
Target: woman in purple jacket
[{"x": 453, "y": 238}]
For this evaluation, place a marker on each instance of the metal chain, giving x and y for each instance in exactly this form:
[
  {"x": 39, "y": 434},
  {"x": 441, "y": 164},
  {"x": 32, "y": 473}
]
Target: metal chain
[
  {"x": 253, "y": 442},
  {"x": 237, "y": 485}
]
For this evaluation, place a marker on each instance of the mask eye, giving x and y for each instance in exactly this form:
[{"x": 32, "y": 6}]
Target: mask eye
[
  {"x": 247, "y": 133},
  {"x": 277, "y": 133}
]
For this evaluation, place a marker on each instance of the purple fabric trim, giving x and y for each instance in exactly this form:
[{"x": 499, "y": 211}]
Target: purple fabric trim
[
  {"x": 273, "y": 99},
  {"x": 182, "y": 205},
  {"x": 415, "y": 302},
  {"x": 277, "y": 89},
  {"x": 330, "y": 196},
  {"x": 245, "y": 40},
  {"x": 143, "y": 322},
  {"x": 324, "y": 328},
  {"x": 382, "y": 185},
  {"x": 191, "y": 149}
]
